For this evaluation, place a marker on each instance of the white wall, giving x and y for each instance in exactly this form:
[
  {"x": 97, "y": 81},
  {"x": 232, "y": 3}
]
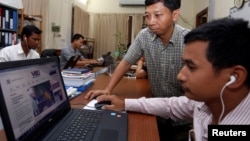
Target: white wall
[
  {"x": 61, "y": 10},
  {"x": 222, "y": 8},
  {"x": 104, "y": 6},
  {"x": 187, "y": 18},
  {"x": 199, "y": 5},
  {"x": 111, "y": 6},
  {"x": 18, "y": 4}
]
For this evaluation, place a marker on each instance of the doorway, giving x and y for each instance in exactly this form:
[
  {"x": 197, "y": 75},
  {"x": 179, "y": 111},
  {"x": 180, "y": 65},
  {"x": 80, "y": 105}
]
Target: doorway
[{"x": 202, "y": 17}]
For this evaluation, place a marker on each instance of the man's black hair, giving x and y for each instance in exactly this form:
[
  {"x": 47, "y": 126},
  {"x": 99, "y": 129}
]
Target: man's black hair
[
  {"x": 229, "y": 43},
  {"x": 28, "y": 30},
  {"x": 76, "y": 37},
  {"x": 170, "y": 4}
]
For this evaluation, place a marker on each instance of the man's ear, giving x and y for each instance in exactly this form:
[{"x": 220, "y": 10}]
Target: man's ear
[
  {"x": 24, "y": 38},
  {"x": 176, "y": 14},
  {"x": 240, "y": 74}
]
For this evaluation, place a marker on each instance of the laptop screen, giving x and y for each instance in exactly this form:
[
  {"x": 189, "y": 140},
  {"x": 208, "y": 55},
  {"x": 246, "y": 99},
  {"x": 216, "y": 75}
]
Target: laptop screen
[
  {"x": 72, "y": 62},
  {"x": 32, "y": 96}
]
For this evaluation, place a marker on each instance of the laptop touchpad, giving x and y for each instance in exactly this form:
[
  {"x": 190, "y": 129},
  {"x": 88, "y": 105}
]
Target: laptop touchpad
[{"x": 108, "y": 135}]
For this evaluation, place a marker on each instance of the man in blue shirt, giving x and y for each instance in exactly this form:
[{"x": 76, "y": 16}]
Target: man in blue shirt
[{"x": 73, "y": 50}]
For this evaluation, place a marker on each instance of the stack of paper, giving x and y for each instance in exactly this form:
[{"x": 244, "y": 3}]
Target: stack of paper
[
  {"x": 76, "y": 70},
  {"x": 77, "y": 80}
]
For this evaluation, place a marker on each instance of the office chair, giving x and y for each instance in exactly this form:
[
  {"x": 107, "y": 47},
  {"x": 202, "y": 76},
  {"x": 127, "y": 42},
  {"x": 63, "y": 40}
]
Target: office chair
[{"x": 48, "y": 53}]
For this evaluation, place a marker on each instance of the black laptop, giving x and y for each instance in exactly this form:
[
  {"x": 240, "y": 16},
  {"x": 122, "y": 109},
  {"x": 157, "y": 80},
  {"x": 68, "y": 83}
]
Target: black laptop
[
  {"x": 72, "y": 62},
  {"x": 34, "y": 106}
]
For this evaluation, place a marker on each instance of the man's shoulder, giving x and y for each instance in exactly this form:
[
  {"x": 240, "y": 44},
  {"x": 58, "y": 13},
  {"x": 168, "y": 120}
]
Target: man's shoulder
[
  {"x": 9, "y": 48},
  {"x": 65, "y": 48},
  {"x": 181, "y": 29},
  {"x": 145, "y": 30},
  {"x": 145, "y": 34}
]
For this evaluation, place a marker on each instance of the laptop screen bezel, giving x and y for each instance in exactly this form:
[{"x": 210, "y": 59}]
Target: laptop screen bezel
[
  {"x": 61, "y": 110},
  {"x": 72, "y": 62}
]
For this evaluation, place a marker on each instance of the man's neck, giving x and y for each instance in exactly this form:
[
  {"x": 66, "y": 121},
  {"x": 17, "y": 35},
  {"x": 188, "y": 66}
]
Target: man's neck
[{"x": 25, "y": 48}]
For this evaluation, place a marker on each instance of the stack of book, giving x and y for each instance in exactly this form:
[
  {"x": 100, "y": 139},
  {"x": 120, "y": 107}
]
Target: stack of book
[{"x": 76, "y": 77}]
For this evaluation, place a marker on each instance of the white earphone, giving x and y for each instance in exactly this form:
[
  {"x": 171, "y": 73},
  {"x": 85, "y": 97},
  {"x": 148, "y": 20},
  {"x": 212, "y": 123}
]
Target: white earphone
[
  {"x": 232, "y": 80},
  {"x": 25, "y": 39}
]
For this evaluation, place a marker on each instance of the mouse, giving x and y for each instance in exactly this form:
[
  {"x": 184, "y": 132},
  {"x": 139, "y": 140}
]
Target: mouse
[{"x": 99, "y": 105}]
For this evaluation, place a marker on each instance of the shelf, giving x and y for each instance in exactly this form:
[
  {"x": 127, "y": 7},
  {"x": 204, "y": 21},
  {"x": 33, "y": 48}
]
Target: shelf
[
  {"x": 8, "y": 26},
  {"x": 32, "y": 19}
]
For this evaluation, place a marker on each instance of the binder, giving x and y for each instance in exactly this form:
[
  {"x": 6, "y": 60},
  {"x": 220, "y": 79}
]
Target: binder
[
  {"x": 8, "y": 25},
  {"x": 7, "y": 19},
  {"x": 9, "y": 38},
  {"x": 11, "y": 26},
  {"x": 15, "y": 17},
  {"x": 1, "y": 17},
  {"x": 6, "y": 42}
]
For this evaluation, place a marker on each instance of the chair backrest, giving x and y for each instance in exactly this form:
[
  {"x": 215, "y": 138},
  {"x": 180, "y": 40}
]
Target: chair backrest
[
  {"x": 48, "y": 53},
  {"x": 108, "y": 59}
]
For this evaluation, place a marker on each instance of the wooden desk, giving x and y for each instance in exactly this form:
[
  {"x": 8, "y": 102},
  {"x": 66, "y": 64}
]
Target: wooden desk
[{"x": 141, "y": 127}]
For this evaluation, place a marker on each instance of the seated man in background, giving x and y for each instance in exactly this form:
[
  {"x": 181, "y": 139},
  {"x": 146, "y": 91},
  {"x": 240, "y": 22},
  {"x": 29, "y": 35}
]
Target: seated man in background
[
  {"x": 215, "y": 78},
  {"x": 141, "y": 69},
  {"x": 26, "y": 49},
  {"x": 73, "y": 50}
]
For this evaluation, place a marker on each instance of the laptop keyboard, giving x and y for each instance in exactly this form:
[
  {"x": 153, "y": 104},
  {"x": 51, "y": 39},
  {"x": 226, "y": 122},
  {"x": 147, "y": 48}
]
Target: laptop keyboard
[{"x": 82, "y": 127}]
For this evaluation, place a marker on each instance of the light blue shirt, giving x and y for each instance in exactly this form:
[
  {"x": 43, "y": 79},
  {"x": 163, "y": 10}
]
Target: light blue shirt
[{"x": 66, "y": 53}]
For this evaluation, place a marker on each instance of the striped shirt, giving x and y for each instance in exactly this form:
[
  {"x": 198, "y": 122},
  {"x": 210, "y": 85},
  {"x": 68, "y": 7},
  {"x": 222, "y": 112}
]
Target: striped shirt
[
  {"x": 182, "y": 108},
  {"x": 163, "y": 61}
]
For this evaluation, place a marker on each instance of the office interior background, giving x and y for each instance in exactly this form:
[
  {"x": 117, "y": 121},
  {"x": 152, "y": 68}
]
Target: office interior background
[{"x": 101, "y": 20}]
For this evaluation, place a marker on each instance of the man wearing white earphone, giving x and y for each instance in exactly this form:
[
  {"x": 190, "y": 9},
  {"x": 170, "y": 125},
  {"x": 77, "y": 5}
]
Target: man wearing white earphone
[
  {"x": 215, "y": 78},
  {"x": 26, "y": 49}
]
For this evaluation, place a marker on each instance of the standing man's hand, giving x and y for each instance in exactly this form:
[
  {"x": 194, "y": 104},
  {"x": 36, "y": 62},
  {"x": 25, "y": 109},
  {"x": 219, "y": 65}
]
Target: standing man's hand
[{"x": 94, "y": 93}]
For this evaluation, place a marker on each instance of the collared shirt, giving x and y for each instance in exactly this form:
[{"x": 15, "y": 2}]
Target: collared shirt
[
  {"x": 182, "y": 108},
  {"x": 163, "y": 61},
  {"x": 66, "y": 53},
  {"x": 15, "y": 52}
]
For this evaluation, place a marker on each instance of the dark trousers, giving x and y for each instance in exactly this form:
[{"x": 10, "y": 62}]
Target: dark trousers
[{"x": 168, "y": 132}]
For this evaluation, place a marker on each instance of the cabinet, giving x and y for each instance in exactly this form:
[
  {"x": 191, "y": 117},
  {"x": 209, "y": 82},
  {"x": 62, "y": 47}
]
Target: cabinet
[
  {"x": 8, "y": 25},
  {"x": 29, "y": 19}
]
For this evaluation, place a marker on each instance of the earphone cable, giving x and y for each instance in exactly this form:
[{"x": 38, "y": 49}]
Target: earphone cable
[{"x": 222, "y": 103}]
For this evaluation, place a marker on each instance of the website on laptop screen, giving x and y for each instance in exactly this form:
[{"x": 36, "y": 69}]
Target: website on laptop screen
[{"x": 30, "y": 94}]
